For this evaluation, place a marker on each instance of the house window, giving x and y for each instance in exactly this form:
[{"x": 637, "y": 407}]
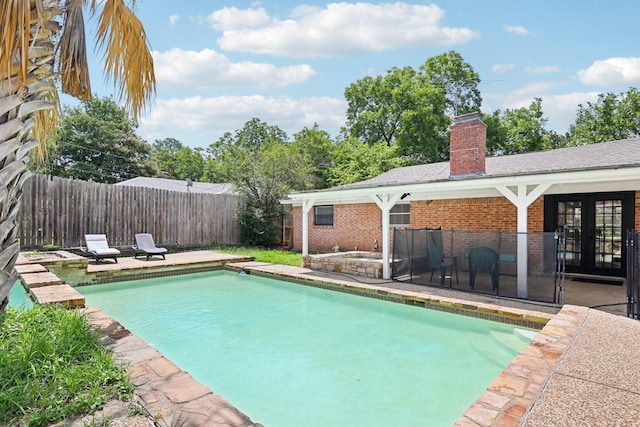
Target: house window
[
  {"x": 400, "y": 215},
  {"x": 323, "y": 215}
]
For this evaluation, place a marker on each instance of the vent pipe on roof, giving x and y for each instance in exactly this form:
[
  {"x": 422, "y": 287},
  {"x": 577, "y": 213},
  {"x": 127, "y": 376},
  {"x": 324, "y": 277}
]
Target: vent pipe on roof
[
  {"x": 467, "y": 145},
  {"x": 164, "y": 175}
]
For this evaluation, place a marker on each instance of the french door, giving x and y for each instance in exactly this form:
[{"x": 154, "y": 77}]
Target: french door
[{"x": 596, "y": 225}]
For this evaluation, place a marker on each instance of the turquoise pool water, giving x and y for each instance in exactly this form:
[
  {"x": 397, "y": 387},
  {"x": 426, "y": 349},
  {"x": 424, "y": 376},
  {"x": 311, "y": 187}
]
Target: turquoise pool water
[
  {"x": 294, "y": 355},
  {"x": 18, "y": 297}
]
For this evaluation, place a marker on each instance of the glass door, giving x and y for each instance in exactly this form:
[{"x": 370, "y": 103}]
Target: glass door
[
  {"x": 596, "y": 226},
  {"x": 608, "y": 234},
  {"x": 570, "y": 213}
]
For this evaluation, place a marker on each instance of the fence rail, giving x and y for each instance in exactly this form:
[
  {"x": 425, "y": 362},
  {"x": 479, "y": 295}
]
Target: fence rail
[{"x": 58, "y": 212}]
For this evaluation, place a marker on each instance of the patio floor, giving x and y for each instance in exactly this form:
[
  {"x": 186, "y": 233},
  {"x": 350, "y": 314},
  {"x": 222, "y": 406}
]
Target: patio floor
[{"x": 579, "y": 370}]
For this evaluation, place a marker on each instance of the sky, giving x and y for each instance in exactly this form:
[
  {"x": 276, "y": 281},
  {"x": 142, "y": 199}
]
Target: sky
[{"x": 219, "y": 64}]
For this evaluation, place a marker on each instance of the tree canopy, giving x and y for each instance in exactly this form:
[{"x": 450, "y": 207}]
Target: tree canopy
[
  {"x": 518, "y": 130},
  {"x": 97, "y": 142},
  {"x": 263, "y": 167},
  {"x": 413, "y": 109},
  {"x": 180, "y": 162},
  {"x": 610, "y": 118}
]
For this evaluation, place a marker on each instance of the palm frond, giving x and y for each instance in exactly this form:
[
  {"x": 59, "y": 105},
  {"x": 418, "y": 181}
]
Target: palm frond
[
  {"x": 72, "y": 65},
  {"x": 15, "y": 26},
  {"x": 128, "y": 60}
]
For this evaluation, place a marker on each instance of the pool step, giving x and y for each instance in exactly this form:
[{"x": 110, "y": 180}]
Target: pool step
[
  {"x": 36, "y": 280},
  {"x": 485, "y": 346},
  {"x": 528, "y": 334},
  {"x": 514, "y": 341},
  {"x": 497, "y": 342},
  {"x": 58, "y": 294}
]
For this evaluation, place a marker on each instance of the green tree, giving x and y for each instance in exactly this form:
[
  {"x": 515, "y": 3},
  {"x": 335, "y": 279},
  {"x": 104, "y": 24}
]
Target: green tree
[
  {"x": 611, "y": 118},
  {"x": 355, "y": 161},
  {"x": 97, "y": 142},
  {"x": 178, "y": 161},
  {"x": 457, "y": 79},
  {"x": 39, "y": 48},
  {"x": 413, "y": 109},
  {"x": 519, "y": 130},
  {"x": 317, "y": 146},
  {"x": 398, "y": 109},
  {"x": 263, "y": 167}
]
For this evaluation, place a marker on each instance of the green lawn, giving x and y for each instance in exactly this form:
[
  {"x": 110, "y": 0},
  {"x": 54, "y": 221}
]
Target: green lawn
[
  {"x": 54, "y": 366},
  {"x": 266, "y": 255}
]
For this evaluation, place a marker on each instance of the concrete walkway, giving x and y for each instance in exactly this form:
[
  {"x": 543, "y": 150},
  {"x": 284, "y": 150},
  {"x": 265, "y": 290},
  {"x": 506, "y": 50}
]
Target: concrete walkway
[{"x": 579, "y": 370}]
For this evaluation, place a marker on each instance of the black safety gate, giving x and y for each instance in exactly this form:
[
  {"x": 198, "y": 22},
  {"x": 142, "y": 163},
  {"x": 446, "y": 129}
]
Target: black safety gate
[{"x": 633, "y": 275}]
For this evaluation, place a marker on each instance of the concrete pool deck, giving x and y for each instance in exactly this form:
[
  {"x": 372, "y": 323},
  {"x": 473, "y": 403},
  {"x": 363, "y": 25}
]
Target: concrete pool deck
[{"x": 580, "y": 369}]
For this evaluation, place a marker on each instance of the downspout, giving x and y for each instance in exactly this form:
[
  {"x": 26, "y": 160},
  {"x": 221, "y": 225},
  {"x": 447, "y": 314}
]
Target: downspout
[{"x": 521, "y": 199}]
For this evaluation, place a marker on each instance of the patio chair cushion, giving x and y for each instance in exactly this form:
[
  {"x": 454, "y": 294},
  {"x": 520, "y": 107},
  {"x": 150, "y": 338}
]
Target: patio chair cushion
[
  {"x": 98, "y": 246},
  {"x": 146, "y": 245}
]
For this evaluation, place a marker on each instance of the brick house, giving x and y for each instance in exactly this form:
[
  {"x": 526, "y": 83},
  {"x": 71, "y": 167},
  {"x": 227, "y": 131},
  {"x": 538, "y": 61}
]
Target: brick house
[{"x": 598, "y": 184}]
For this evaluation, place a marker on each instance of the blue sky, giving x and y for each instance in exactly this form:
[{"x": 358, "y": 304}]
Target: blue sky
[{"x": 219, "y": 64}]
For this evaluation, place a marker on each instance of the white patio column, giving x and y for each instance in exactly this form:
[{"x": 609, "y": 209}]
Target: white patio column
[
  {"x": 521, "y": 199},
  {"x": 307, "y": 204},
  {"x": 385, "y": 202}
]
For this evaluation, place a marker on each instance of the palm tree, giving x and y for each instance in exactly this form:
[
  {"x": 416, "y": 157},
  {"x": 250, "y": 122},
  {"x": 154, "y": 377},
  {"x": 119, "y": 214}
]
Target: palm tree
[{"x": 42, "y": 43}]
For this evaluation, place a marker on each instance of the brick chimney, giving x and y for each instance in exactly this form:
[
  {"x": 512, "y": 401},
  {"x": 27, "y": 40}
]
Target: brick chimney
[{"x": 467, "y": 145}]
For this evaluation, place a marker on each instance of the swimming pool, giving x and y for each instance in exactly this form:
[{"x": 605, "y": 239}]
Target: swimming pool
[
  {"x": 292, "y": 355},
  {"x": 18, "y": 297}
]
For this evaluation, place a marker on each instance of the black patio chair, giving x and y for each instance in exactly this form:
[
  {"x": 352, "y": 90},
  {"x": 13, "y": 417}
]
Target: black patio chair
[
  {"x": 483, "y": 260},
  {"x": 438, "y": 261}
]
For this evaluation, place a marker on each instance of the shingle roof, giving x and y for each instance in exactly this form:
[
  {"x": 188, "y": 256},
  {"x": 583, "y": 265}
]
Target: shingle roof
[
  {"x": 605, "y": 155},
  {"x": 178, "y": 185}
]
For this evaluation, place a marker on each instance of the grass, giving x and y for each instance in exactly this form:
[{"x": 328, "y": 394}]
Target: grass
[
  {"x": 266, "y": 255},
  {"x": 53, "y": 366}
]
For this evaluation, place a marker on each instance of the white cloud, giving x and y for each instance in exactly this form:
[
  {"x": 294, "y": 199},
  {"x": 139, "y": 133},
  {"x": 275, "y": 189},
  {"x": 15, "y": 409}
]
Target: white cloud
[
  {"x": 232, "y": 18},
  {"x": 518, "y": 30},
  {"x": 199, "y": 121},
  {"x": 559, "y": 108},
  {"x": 612, "y": 72},
  {"x": 336, "y": 30},
  {"x": 173, "y": 19},
  {"x": 209, "y": 69},
  {"x": 542, "y": 69},
  {"x": 502, "y": 68}
]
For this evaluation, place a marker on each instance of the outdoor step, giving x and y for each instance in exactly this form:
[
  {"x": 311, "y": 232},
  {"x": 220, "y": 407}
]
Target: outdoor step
[
  {"x": 58, "y": 294},
  {"x": 510, "y": 341},
  {"x": 30, "y": 268},
  {"x": 485, "y": 346},
  {"x": 527, "y": 333},
  {"x": 36, "y": 280}
]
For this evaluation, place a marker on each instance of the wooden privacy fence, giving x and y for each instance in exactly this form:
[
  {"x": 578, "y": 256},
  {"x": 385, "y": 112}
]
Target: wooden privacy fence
[{"x": 58, "y": 212}]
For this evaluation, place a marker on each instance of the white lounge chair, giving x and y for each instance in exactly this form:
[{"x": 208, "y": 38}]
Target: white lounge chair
[
  {"x": 146, "y": 246},
  {"x": 98, "y": 246}
]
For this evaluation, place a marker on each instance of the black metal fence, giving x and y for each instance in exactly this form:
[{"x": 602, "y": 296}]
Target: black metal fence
[
  {"x": 633, "y": 275},
  {"x": 485, "y": 263}
]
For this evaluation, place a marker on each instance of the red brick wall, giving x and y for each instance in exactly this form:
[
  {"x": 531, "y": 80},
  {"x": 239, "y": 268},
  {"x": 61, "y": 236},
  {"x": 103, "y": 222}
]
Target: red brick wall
[
  {"x": 483, "y": 214},
  {"x": 354, "y": 226},
  {"x": 359, "y": 225}
]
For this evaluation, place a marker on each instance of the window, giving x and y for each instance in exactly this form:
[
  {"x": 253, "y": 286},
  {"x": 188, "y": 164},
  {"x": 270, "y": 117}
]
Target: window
[
  {"x": 323, "y": 215},
  {"x": 400, "y": 215}
]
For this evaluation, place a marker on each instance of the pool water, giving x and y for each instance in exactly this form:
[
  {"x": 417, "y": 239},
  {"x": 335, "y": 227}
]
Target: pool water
[
  {"x": 18, "y": 297},
  {"x": 292, "y": 355}
]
